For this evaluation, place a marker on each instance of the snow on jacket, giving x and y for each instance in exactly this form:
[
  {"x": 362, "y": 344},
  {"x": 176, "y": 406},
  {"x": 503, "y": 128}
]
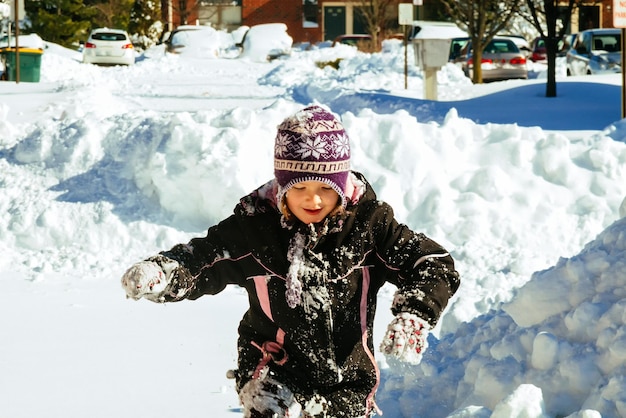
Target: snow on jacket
[{"x": 312, "y": 289}]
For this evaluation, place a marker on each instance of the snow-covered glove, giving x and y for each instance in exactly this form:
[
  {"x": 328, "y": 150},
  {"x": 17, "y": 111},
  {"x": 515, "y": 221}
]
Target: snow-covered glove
[
  {"x": 268, "y": 398},
  {"x": 406, "y": 338},
  {"x": 146, "y": 279}
]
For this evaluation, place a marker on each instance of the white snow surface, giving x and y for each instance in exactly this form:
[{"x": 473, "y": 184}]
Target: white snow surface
[{"x": 104, "y": 166}]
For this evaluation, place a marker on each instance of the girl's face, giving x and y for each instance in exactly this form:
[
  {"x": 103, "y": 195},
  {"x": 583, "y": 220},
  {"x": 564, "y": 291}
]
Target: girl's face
[{"x": 311, "y": 201}]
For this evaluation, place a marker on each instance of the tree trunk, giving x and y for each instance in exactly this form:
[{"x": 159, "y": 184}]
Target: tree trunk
[
  {"x": 551, "y": 49},
  {"x": 477, "y": 59}
]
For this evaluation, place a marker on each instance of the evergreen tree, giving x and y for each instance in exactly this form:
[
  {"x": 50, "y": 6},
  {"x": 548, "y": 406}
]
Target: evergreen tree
[
  {"x": 145, "y": 24},
  {"x": 65, "y": 22}
]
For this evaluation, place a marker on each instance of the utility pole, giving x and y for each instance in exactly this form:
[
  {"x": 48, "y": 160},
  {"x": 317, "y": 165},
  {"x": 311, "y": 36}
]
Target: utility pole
[
  {"x": 17, "y": 40},
  {"x": 619, "y": 21}
]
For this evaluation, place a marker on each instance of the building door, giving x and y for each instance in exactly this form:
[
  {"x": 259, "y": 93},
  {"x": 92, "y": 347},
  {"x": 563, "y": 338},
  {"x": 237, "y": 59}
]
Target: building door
[
  {"x": 334, "y": 22},
  {"x": 359, "y": 25}
]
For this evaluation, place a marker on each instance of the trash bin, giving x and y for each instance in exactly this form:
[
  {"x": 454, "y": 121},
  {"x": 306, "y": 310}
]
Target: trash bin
[{"x": 30, "y": 64}]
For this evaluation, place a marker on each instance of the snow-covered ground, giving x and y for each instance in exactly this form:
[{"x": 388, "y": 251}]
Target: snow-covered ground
[{"x": 103, "y": 166}]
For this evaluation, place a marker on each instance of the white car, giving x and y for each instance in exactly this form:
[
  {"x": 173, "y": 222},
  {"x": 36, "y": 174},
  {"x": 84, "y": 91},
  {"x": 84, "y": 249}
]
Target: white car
[
  {"x": 108, "y": 46},
  {"x": 199, "y": 41},
  {"x": 266, "y": 42},
  {"x": 595, "y": 51}
]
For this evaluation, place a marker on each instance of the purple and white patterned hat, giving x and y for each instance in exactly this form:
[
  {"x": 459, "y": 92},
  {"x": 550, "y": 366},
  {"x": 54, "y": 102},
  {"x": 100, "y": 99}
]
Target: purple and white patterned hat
[{"x": 312, "y": 145}]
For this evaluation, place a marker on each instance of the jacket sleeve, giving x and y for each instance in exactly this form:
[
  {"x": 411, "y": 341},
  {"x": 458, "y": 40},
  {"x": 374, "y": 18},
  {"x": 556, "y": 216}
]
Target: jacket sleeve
[
  {"x": 206, "y": 264},
  {"x": 422, "y": 270}
]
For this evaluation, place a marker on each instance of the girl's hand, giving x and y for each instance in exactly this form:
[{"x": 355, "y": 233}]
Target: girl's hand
[
  {"x": 145, "y": 279},
  {"x": 406, "y": 338},
  {"x": 266, "y": 397}
]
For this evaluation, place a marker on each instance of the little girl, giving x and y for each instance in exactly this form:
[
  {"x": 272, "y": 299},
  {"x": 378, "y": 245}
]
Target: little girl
[{"x": 312, "y": 247}]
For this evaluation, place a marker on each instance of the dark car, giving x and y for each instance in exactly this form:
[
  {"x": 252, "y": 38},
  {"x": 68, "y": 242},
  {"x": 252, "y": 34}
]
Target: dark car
[
  {"x": 502, "y": 60},
  {"x": 456, "y": 46},
  {"x": 539, "y": 52},
  {"x": 361, "y": 41}
]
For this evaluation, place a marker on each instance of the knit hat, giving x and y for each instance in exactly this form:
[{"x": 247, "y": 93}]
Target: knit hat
[{"x": 312, "y": 145}]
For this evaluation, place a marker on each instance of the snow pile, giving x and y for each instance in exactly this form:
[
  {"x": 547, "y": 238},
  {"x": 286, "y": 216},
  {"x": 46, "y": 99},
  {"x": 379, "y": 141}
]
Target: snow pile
[
  {"x": 5, "y": 10},
  {"x": 465, "y": 184},
  {"x": 31, "y": 40},
  {"x": 557, "y": 348},
  {"x": 104, "y": 166}
]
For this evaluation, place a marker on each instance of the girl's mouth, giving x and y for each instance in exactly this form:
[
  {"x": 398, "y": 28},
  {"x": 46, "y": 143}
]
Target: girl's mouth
[{"x": 312, "y": 211}]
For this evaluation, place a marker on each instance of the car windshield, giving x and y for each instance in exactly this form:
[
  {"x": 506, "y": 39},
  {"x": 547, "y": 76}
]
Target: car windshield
[
  {"x": 499, "y": 46},
  {"x": 606, "y": 42},
  {"x": 456, "y": 46},
  {"x": 107, "y": 36}
]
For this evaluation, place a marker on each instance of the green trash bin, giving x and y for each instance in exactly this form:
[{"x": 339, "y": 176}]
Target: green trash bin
[{"x": 30, "y": 64}]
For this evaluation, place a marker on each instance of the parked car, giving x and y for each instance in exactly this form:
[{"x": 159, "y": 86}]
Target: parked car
[
  {"x": 539, "y": 52},
  {"x": 176, "y": 41},
  {"x": 196, "y": 40},
  {"x": 266, "y": 42},
  {"x": 361, "y": 41},
  {"x": 502, "y": 60},
  {"x": 521, "y": 43},
  {"x": 595, "y": 51},
  {"x": 456, "y": 46},
  {"x": 108, "y": 46}
]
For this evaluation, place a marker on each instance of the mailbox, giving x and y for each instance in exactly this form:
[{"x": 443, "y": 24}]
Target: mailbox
[
  {"x": 431, "y": 53},
  {"x": 431, "y": 48}
]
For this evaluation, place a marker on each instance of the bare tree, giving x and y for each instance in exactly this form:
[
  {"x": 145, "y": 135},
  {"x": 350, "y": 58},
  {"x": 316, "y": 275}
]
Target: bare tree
[
  {"x": 551, "y": 19},
  {"x": 483, "y": 19},
  {"x": 113, "y": 13},
  {"x": 376, "y": 14}
]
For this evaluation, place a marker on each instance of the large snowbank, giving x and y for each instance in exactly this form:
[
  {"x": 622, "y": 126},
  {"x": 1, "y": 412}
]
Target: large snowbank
[{"x": 104, "y": 166}]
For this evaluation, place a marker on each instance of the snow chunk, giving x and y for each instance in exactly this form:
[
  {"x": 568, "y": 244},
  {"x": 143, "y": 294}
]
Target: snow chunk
[{"x": 525, "y": 402}]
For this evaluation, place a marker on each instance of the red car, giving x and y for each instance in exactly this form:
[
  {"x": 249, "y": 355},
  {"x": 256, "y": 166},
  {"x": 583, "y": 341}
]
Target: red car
[{"x": 539, "y": 53}]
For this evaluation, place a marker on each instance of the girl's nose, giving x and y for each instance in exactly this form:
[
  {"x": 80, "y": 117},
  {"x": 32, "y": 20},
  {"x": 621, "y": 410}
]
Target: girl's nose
[{"x": 316, "y": 198}]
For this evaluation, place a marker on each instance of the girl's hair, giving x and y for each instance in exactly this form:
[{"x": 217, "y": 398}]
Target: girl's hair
[{"x": 284, "y": 209}]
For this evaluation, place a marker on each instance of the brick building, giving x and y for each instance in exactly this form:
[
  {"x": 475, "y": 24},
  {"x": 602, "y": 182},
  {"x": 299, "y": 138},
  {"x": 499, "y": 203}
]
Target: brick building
[
  {"x": 306, "y": 20},
  {"x": 593, "y": 15},
  {"x": 318, "y": 20}
]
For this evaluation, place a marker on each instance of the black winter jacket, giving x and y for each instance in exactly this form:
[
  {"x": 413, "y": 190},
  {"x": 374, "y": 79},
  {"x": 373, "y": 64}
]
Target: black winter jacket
[{"x": 323, "y": 344}]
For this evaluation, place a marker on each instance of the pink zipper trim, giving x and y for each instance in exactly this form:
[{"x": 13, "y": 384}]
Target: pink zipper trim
[
  {"x": 271, "y": 350},
  {"x": 370, "y": 403}
]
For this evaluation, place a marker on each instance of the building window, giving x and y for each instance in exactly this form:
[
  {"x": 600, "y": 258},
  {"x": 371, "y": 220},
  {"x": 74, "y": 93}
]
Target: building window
[{"x": 309, "y": 14}]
